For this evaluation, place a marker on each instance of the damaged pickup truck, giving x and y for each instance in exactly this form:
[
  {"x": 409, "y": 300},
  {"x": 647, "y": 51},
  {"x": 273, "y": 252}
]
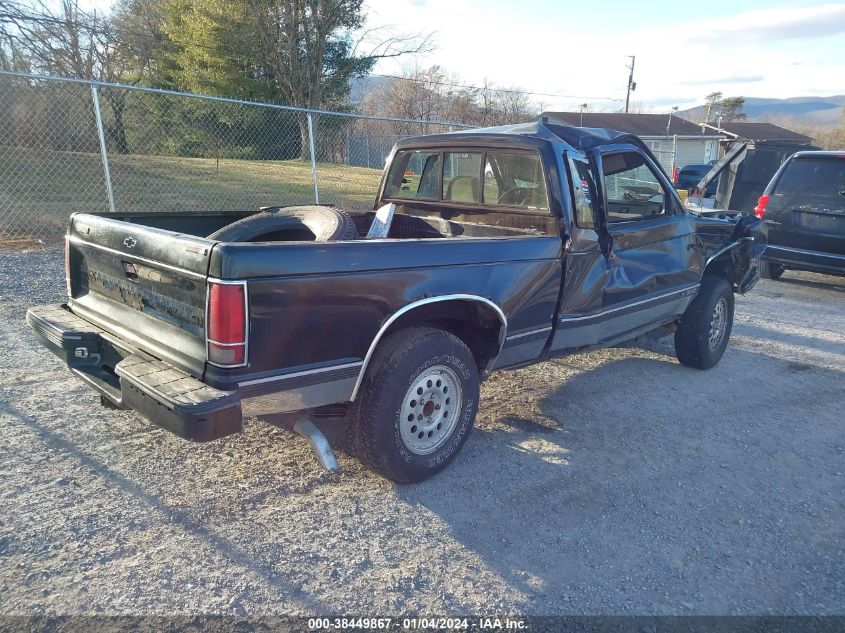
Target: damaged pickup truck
[{"x": 493, "y": 248}]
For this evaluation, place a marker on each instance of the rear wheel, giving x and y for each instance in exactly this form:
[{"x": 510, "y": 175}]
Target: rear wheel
[
  {"x": 770, "y": 270},
  {"x": 416, "y": 406},
  {"x": 705, "y": 328}
]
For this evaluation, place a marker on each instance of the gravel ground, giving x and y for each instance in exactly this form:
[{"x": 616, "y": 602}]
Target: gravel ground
[{"x": 616, "y": 482}]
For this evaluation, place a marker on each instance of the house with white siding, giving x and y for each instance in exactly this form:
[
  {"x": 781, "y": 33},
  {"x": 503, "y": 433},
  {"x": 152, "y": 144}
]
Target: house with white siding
[{"x": 675, "y": 141}]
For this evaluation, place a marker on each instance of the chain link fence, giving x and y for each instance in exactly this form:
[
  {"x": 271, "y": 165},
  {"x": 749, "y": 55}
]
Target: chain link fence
[
  {"x": 70, "y": 145},
  {"x": 665, "y": 156}
]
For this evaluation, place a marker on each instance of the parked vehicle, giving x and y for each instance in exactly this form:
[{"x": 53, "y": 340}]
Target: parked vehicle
[
  {"x": 690, "y": 175},
  {"x": 507, "y": 246},
  {"x": 803, "y": 208},
  {"x": 745, "y": 169}
]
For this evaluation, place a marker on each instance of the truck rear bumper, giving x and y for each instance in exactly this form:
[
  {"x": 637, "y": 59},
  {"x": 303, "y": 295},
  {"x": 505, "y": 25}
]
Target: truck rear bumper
[
  {"x": 129, "y": 379},
  {"x": 801, "y": 259}
]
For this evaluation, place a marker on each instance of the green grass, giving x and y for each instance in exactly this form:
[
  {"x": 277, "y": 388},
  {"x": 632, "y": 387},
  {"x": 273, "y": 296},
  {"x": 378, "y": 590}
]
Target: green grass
[{"x": 39, "y": 189}]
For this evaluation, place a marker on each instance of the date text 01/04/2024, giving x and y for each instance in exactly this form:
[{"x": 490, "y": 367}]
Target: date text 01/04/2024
[{"x": 409, "y": 624}]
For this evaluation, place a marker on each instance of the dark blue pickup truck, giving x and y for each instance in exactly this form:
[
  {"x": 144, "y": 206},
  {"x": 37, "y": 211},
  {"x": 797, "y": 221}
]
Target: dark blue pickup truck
[{"x": 496, "y": 248}]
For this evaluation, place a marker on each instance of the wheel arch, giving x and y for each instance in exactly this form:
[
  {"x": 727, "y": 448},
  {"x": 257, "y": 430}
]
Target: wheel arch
[
  {"x": 723, "y": 263},
  {"x": 476, "y": 320}
]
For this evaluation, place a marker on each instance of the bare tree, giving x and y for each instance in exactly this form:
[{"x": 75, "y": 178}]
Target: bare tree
[
  {"x": 63, "y": 41},
  {"x": 499, "y": 106},
  {"x": 830, "y": 136},
  {"x": 67, "y": 41},
  {"x": 310, "y": 53},
  {"x": 433, "y": 94}
]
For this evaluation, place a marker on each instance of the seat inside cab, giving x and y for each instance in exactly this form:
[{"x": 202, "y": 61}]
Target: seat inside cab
[{"x": 463, "y": 189}]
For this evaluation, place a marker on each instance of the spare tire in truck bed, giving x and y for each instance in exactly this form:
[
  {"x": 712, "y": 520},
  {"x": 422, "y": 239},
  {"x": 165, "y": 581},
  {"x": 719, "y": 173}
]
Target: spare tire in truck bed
[{"x": 290, "y": 224}]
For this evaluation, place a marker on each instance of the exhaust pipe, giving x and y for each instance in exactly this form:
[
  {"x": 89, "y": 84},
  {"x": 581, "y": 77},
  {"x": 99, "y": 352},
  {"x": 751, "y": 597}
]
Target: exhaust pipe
[{"x": 307, "y": 429}]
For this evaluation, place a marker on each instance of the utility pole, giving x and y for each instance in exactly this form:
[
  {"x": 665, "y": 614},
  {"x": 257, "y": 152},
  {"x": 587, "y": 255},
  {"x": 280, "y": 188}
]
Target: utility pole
[
  {"x": 669, "y": 120},
  {"x": 632, "y": 85}
]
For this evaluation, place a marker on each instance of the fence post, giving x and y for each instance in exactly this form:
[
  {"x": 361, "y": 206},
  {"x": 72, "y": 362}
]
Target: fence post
[
  {"x": 103, "y": 153},
  {"x": 674, "y": 154},
  {"x": 313, "y": 158}
]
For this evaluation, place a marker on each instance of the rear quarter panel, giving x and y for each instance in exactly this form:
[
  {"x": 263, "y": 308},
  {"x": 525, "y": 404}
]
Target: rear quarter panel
[{"x": 315, "y": 305}]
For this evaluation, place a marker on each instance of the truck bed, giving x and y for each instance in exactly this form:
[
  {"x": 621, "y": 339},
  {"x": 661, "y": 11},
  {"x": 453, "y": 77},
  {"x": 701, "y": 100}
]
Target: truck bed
[{"x": 143, "y": 279}]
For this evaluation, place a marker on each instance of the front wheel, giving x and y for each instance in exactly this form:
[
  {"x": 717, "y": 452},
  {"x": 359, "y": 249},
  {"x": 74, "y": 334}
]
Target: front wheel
[
  {"x": 416, "y": 405},
  {"x": 705, "y": 328},
  {"x": 770, "y": 270}
]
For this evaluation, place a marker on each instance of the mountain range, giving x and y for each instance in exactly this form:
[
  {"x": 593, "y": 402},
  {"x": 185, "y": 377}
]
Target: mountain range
[
  {"x": 798, "y": 112},
  {"x": 826, "y": 111}
]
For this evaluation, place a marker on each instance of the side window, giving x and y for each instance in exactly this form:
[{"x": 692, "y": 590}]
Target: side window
[
  {"x": 583, "y": 192},
  {"x": 515, "y": 180},
  {"x": 414, "y": 175},
  {"x": 632, "y": 190},
  {"x": 461, "y": 177}
]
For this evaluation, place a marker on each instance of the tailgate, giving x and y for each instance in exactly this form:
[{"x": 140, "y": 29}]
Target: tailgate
[
  {"x": 146, "y": 286},
  {"x": 809, "y": 222}
]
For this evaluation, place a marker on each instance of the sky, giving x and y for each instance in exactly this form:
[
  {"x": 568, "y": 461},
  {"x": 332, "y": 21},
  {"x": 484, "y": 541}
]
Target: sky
[{"x": 684, "y": 50}]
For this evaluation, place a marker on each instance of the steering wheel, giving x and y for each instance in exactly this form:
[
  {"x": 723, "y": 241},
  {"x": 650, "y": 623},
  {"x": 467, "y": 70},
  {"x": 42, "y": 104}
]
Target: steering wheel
[{"x": 516, "y": 196}]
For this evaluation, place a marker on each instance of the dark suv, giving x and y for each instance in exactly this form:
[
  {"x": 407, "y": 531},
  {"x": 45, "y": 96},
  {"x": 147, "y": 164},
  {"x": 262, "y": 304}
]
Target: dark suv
[{"x": 804, "y": 210}]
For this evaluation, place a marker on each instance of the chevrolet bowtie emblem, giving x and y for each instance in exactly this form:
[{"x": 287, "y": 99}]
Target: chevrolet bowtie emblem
[{"x": 129, "y": 242}]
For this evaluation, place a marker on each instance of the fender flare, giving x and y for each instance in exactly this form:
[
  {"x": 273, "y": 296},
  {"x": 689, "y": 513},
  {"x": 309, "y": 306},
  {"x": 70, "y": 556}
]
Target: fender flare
[
  {"x": 724, "y": 250},
  {"x": 503, "y": 320}
]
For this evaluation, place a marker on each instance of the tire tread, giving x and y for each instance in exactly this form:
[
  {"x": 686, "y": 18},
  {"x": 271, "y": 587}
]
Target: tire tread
[
  {"x": 361, "y": 426},
  {"x": 692, "y": 336}
]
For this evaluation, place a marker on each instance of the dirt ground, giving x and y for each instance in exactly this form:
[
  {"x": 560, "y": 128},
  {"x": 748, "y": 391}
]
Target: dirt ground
[{"x": 616, "y": 482}]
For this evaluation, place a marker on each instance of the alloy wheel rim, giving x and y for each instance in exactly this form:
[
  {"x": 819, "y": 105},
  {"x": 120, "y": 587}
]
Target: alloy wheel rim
[
  {"x": 430, "y": 410},
  {"x": 718, "y": 323}
]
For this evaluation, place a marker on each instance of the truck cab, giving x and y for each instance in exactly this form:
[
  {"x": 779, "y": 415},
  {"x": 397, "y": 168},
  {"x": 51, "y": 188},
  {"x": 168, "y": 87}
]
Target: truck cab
[{"x": 632, "y": 254}]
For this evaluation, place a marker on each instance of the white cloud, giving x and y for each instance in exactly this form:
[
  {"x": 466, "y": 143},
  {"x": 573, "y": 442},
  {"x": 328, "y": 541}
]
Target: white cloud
[
  {"x": 771, "y": 25},
  {"x": 734, "y": 79},
  {"x": 751, "y": 51}
]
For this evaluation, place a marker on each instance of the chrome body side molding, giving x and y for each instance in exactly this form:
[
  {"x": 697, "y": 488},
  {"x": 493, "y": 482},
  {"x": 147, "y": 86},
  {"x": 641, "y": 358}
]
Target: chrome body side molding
[{"x": 416, "y": 304}]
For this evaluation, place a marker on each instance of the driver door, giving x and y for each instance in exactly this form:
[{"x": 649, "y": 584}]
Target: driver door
[
  {"x": 627, "y": 267},
  {"x": 649, "y": 280}
]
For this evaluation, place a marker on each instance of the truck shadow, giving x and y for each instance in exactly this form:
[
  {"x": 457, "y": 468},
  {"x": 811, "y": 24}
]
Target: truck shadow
[
  {"x": 644, "y": 466},
  {"x": 626, "y": 478}
]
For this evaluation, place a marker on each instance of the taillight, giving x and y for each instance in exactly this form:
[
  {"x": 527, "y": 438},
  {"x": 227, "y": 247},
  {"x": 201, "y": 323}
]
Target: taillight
[
  {"x": 760, "y": 209},
  {"x": 226, "y": 324},
  {"x": 674, "y": 174},
  {"x": 67, "y": 266}
]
